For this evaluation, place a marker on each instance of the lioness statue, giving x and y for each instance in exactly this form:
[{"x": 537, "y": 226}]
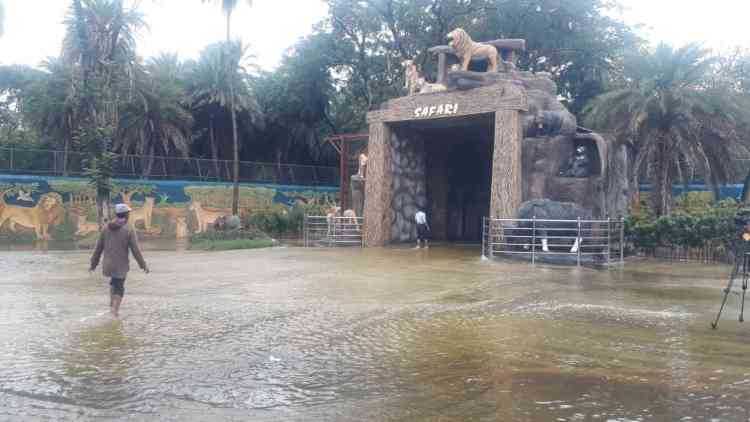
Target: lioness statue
[
  {"x": 206, "y": 218},
  {"x": 144, "y": 213},
  {"x": 467, "y": 50},
  {"x": 47, "y": 211}
]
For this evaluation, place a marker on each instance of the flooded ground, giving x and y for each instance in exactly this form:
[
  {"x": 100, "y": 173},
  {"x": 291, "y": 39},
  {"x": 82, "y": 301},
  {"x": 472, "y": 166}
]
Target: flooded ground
[{"x": 382, "y": 335}]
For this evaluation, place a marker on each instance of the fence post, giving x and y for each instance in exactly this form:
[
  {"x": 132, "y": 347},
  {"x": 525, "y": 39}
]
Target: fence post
[
  {"x": 11, "y": 159},
  {"x": 484, "y": 236},
  {"x": 578, "y": 237},
  {"x": 622, "y": 240},
  {"x": 609, "y": 239},
  {"x": 533, "y": 240},
  {"x": 492, "y": 237},
  {"x": 304, "y": 230}
]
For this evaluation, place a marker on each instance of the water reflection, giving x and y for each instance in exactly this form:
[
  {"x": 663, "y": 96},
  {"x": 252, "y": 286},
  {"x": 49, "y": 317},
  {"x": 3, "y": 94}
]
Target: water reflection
[{"x": 387, "y": 335}]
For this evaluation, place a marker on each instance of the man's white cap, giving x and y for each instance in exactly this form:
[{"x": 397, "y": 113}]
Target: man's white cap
[{"x": 122, "y": 209}]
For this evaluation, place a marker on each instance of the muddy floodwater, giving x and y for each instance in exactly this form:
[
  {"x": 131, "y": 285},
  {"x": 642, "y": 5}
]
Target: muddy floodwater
[{"x": 290, "y": 334}]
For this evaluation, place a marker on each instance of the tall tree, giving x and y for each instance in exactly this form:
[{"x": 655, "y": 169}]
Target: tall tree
[
  {"x": 100, "y": 46},
  {"x": 295, "y": 101},
  {"x": 673, "y": 121},
  {"x": 212, "y": 98},
  {"x": 156, "y": 120},
  {"x": 228, "y": 6}
]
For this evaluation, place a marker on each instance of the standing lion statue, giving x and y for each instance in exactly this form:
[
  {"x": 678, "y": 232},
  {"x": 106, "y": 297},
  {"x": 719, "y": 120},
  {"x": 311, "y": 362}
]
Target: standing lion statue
[{"x": 467, "y": 50}]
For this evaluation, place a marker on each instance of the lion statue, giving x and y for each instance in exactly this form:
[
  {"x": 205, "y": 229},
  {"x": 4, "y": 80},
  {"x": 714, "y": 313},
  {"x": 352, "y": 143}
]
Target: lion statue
[
  {"x": 467, "y": 50},
  {"x": 48, "y": 210}
]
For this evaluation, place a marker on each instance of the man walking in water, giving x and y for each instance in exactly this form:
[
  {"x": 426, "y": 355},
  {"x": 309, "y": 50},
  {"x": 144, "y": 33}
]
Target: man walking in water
[
  {"x": 115, "y": 242},
  {"x": 423, "y": 229}
]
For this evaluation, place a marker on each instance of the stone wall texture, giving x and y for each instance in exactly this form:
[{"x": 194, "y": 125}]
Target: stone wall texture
[
  {"x": 408, "y": 184},
  {"x": 378, "y": 186},
  {"x": 534, "y": 135}
]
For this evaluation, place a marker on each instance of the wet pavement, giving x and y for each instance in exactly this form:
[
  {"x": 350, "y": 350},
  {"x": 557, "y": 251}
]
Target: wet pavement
[{"x": 291, "y": 334}]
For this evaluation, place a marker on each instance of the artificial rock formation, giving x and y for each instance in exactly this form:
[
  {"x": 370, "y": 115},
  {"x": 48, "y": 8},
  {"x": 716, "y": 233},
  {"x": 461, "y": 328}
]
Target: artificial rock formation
[
  {"x": 408, "y": 185},
  {"x": 538, "y": 153}
]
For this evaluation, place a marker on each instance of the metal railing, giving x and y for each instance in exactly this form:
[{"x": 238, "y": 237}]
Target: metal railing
[
  {"x": 58, "y": 163},
  {"x": 323, "y": 231},
  {"x": 565, "y": 241}
]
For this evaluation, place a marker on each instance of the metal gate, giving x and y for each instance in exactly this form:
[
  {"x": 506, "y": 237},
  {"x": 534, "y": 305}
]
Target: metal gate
[
  {"x": 323, "y": 231},
  {"x": 566, "y": 241}
]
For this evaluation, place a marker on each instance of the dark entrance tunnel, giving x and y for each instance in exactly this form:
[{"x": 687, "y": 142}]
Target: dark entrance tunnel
[{"x": 458, "y": 161}]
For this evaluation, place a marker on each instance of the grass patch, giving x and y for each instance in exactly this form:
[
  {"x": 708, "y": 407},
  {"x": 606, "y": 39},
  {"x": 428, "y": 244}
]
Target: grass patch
[
  {"x": 231, "y": 244},
  {"x": 231, "y": 240}
]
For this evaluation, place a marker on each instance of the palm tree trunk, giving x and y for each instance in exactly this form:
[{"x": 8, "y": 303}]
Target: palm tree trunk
[
  {"x": 715, "y": 188},
  {"x": 279, "y": 156},
  {"x": 66, "y": 148},
  {"x": 746, "y": 188},
  {"x": 663, "y": 182},
  {"x": 149, "y": 162},
  {"x": 214, "y": 148},
  {"x": 235, "y": 141}
]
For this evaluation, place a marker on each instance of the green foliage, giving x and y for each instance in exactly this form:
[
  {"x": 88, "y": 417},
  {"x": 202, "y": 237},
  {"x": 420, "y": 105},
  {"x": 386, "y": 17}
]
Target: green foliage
[
  {"x": 229, "y": 245},
  {"x": 675, "y": 121},
  {"x": 212, "y": 235},
  {"x": 283, "y": 222},
  {"x": 273, "y": 221},
  {"x": 99, "y": 161},
  {"x": 694, "y": 226},
  {"x": 157, "y": 119}
]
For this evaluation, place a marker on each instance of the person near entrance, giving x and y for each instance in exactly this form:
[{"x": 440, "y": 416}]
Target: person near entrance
[
  {"x": 115, "y": 242},
  {"x": 423, "y": 229}
]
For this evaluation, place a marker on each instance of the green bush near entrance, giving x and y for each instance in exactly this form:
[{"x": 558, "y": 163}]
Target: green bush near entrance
[
  {"x": 693, "y": 225},
  {"x": 282, "y": 222}
]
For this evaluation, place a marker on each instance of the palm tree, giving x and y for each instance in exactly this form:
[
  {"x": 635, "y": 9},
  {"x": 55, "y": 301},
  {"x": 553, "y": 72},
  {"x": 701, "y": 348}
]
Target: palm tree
[
  {"x": 156, "y": 119},
  {"x": 213, "y": 94},
  {"x": 51, "y": 107},
  {"x": 672, "y": 120},
  {"x": 228, "y": 6},
  {"x": 99, "y": 45}
]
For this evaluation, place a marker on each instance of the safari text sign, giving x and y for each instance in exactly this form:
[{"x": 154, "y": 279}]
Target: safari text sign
[{"x": 436, "y": 111}]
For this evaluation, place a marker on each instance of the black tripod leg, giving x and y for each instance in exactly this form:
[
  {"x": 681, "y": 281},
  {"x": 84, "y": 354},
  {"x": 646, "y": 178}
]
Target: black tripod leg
[
  {"x": 744, "y": 290},
  {"x": 727, "y": 290}
]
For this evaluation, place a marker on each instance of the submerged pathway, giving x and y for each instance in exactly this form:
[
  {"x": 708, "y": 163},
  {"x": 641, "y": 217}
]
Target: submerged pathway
[{"x": 386, "y": 335}]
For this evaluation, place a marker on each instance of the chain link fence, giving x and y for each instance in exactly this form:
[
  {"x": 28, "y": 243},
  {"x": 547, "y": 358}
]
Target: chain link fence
[{"x": 58, "y": 163}]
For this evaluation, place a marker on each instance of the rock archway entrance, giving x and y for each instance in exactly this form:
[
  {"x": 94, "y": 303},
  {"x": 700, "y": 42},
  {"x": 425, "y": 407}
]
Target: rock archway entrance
[{"x": 421, "y": 153}]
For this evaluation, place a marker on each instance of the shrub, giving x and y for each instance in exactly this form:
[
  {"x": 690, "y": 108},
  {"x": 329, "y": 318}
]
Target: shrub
[
  {"x": 283, "y": 222},
  {"x": 694, "y": 224}
]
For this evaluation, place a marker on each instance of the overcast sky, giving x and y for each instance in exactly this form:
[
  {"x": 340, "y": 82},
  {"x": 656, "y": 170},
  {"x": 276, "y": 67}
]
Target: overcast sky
[{"x": 33, "y": 28}]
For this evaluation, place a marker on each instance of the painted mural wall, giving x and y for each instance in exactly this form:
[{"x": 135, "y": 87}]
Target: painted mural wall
[{"x": 34, "y": 208}]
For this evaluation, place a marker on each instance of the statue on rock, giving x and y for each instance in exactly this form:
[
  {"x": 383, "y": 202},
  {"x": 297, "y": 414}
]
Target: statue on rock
[
  {"x": 362, "y": 170},
  {"x": 467, "y": 50},
  {"x": 416, "y": 84},
  {"x": 412, "y": 80}
]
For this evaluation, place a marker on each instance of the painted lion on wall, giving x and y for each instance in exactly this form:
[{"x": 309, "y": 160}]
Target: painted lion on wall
[
  {"x": 48, "y": 210},
  {"x": 467, "y": 50}
]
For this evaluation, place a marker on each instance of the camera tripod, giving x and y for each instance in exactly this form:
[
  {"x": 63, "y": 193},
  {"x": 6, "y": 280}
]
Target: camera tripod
[{"x": 743, "y": 265}]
